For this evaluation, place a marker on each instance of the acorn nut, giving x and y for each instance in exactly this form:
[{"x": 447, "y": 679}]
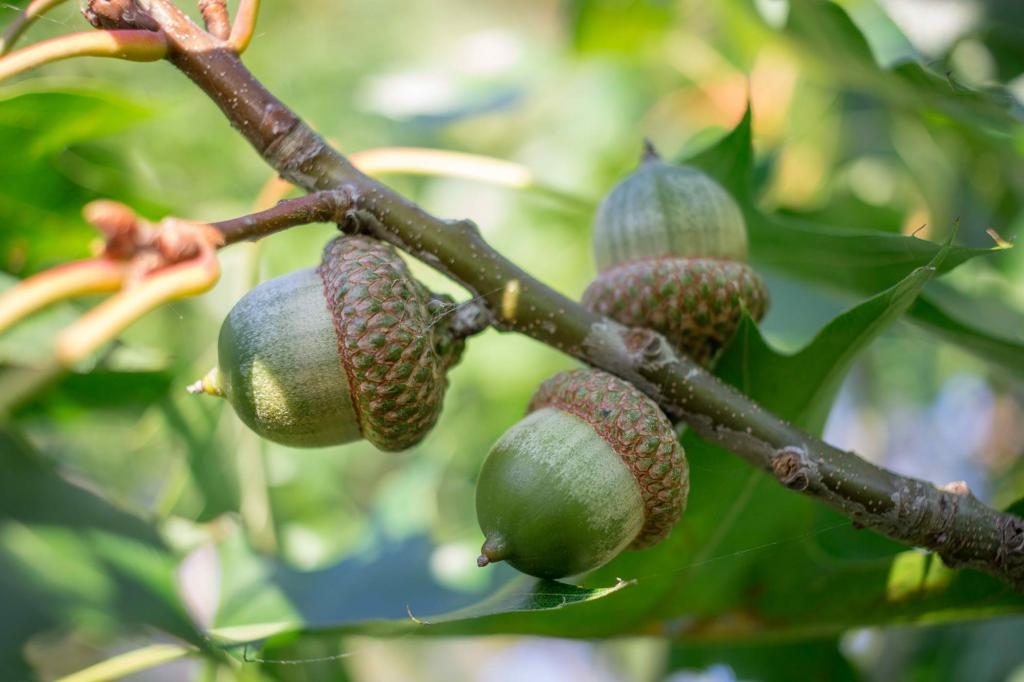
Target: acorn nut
[
  {"x": 671, "y": 245},
  {"x": 594, "y": 468},
  {"x": 333, "y": 354}
]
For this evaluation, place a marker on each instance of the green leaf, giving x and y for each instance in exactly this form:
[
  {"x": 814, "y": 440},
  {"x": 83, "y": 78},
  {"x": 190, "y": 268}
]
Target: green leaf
[
  {"x": 752, "y": 560},
  {"x": 804, "y": 660},
  {"x": 50, "y": 135},
  {"x": 812, "y": 572},
  {"x": 988, "y": 327},
  {"x": 831, "y": 38},
  {"x": 67, "y": 555},
  {"x": 386, "y": 590},
  {"x": 730, "y": 160},
  {"x": 622, "y": 27},
  {"x": 101, "y": 389},
  {"x": 214, "y": 470},
  {"x": 827, "y": 357},
  {"x": 853, "y": 261},
  {"x": 46, "y": 120}
]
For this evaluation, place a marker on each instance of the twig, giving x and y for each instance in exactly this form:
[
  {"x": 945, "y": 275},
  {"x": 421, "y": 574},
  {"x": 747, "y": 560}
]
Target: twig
[
  {"x": 23, "y": 21},
  {"x": 244, "y": 26},
  {"x": 469, "y": 318},
  {"x": 133, "y": 45},
  {"x": 949, "y": 521},
  {"x": 81, "y": 278},
  {"x": 318, "y": 207},
  {"x": 215, "y": 17},
  {"x": 108, "y": 319}
]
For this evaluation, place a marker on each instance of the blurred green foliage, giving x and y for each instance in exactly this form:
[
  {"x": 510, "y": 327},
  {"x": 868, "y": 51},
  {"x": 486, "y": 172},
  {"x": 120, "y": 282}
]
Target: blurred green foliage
[{"x": 128, "y": 507}]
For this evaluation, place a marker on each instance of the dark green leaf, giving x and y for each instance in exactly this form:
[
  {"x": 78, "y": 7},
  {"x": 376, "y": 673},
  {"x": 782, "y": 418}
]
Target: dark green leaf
[
  {"x": 988, "y": 327},
  {"x": 387, "y": 592},
  {"x": 854, "y": 261},
  {"x": 214, "y": 470},
  {"x": 102, "y": 389},
  {"x": 805, "y": 660},
  {"x": 832, "y": 38},
  {"x": 730, "y": 161},
  {"x": 68, "y": 555},
  {"x": 827, "y": 358}
]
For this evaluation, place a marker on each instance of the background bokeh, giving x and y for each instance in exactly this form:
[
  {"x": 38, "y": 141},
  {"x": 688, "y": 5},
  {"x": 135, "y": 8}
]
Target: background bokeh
[{"x": 348, "y": 535}]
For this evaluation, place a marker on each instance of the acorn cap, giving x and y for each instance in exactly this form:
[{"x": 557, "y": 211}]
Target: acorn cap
[
  {"x": 664, "y": 209},
  {"x": 639, "y": 433},
  {"x": 346, "y": 351},
  {"x": 696, "y": 303},
  {"x": 382, "y": 316}
]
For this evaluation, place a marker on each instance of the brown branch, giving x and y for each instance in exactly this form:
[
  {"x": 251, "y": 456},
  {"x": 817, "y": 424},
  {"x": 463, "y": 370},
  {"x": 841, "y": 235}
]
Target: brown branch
[
  {"x": 949, "y": 520},
  {"x": 329, "y": 206}
]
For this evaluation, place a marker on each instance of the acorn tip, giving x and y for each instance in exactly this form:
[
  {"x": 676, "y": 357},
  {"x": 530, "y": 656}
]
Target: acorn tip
[
  {"x": 208, "y": 385},
  {"x": 494, "y": 550},
  {"x": 650, "y": 153}
]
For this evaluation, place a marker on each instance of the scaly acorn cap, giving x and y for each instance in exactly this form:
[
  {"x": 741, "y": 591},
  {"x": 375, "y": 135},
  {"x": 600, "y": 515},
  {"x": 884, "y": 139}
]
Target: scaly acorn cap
[
  {"x": 330, "y": 355},
  {"x": 594, "y": 468},
  {"x": 696, "y": 303},
  {"x": 664, "y": 209}
]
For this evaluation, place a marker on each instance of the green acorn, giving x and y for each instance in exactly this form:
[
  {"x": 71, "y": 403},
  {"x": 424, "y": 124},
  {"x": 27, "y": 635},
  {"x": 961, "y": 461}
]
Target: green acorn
[
  {"x": 333, "y": 354},
  {"x": 671, "y": 245},
  {"x": 595, "y": 467}
]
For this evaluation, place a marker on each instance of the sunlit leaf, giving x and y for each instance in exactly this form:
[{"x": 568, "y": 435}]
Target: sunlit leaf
[
  {"x": 49, "y": 136},
  {"x": 826, "y": 31},
  {"x": 988, "y": 327}
]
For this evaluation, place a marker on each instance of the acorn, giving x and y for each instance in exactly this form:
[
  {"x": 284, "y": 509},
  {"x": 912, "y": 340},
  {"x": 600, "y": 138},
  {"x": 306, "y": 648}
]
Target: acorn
[
  {"x": 595, "y": 467},
  {"x": 328, "y": 355},
  {"x": 671, "y": 250}
]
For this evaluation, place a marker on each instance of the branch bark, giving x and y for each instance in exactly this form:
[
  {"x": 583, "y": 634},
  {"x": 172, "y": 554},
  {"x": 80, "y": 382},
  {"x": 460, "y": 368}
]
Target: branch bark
[
  {"x": 949, "y": 520},
  {"x": 319, "y": 207}
]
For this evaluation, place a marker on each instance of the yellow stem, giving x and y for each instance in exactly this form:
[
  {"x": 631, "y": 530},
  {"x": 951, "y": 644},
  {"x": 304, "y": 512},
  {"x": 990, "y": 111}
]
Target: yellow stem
[
  {"x": 244, "y": 26},
  {"x": 138, "y": 46},
  {"x": 420, "y": 161},
  {"x": 81, "y": 278},
  {"x": 107, "y": 320},
  {"x": 21, "y": 23}
]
